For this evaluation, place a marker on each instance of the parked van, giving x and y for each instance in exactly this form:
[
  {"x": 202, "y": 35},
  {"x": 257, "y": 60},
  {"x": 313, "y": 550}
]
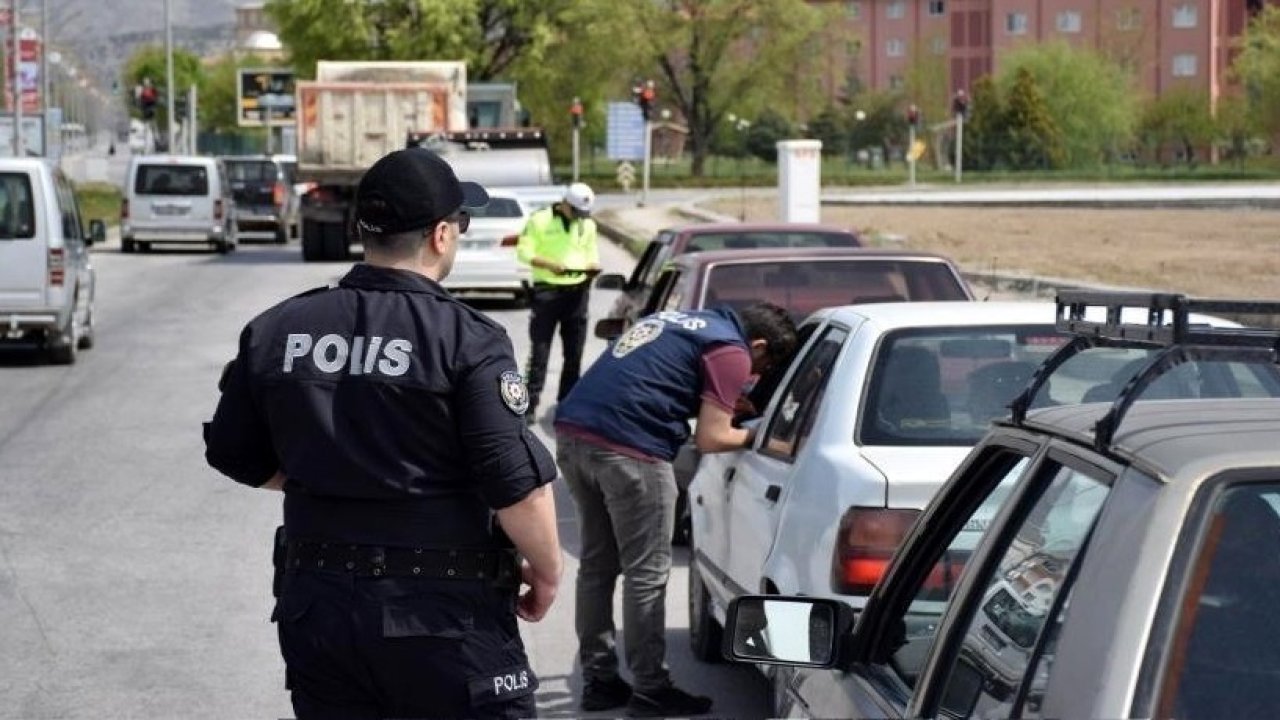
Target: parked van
[
  {"x": 46, "y": 277},
  {"x": 177, "y": 199}
]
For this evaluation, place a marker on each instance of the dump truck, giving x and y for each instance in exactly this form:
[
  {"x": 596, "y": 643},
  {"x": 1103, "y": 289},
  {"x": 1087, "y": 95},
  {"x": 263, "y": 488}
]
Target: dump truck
[{"x": 355, "y": 112}]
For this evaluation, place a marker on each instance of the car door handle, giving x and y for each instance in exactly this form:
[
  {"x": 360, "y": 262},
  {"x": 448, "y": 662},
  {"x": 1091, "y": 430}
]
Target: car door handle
[
  {"x": 728, "y": 475},
  {"x": 772, "y": 493}
]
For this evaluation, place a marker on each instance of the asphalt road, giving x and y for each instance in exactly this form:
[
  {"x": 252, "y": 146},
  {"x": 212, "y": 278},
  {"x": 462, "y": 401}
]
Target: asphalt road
[{"x": 134, "y": 580}]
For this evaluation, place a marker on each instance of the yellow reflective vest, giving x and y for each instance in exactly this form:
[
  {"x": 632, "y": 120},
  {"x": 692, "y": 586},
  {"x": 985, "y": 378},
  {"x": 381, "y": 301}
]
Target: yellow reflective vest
[{"x": 545, "y": 236}]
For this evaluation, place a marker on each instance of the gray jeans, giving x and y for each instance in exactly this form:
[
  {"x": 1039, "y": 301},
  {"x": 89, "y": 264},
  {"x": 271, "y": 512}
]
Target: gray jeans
[{"x": 626, "y": 511}]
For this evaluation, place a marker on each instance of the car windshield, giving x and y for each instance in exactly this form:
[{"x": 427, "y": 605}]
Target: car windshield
[
  {"x": 804, "y": 285},
  {"x": 172, "y": 180},
  {"x": 251, "y": 170},
  {"x": 769, "y": 239},
  {"x": 944, "y": 386},
  {"x": 498, "y": 207}
]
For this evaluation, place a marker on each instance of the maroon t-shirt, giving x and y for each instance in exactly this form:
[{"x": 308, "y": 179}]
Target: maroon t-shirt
[{"x": 725, "y": 372}]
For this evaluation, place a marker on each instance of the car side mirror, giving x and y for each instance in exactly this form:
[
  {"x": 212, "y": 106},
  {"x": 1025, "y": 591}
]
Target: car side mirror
[
  {"x": 610, "y": 328},
  {"x": 97, "y": 232},
  {"x": 611, "y": 281},
  {"x": 786, "y": 630}
]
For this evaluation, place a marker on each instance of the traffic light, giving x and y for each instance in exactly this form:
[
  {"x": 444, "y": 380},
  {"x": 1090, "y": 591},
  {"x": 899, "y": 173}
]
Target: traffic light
[
  {"x": 147, "y": 96},
  {"x": 644, "y": 96},
  {"x": 913, "y": 115},
  {"x": 575, "y": 113},
  {"x": 960, "y": 103}
]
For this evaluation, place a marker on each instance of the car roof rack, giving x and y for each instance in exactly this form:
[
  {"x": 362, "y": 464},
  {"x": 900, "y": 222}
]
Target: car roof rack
[{"x": 1168, "y": 329}]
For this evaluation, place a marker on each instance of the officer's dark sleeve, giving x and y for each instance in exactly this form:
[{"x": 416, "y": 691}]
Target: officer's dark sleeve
[
  {"x": 237, "y": 441},
  {"x": 508, "y": 461}
]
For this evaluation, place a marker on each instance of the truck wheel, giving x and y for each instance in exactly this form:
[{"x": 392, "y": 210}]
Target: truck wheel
[
  {"x": 704, "y": 632},
  {"x": 335, "y": 245},
  {"x": 128, "y": 246},
  {"x": 282, "y": 234},
  {"x": 683, "y": 529},
  {"x": 310, "y": 241}
]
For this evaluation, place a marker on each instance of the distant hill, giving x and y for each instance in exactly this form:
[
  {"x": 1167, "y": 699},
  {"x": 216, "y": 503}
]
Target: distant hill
[{"x": 102, "y": 34}]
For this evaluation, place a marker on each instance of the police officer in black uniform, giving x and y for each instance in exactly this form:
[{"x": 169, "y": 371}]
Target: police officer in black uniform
[{"x": 390, "y": 414}]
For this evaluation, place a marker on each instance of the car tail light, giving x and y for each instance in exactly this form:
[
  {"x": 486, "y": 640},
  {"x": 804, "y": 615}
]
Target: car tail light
[
  {"x": 217, "y": 209},
  {"x": 124, "y": 209},
  {"x": 510, "y": 240},
  {"x": 320, "y": 195},
  {"x": 57, "y": 267},
  {"x": 277, "y": 194},
  {"x": 865, "y": 544}
]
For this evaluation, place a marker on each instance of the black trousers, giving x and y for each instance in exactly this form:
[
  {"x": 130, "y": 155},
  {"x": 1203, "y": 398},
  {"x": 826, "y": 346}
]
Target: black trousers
[
  {"x": 362, "y": 648},
  {"x": 549, "y": 307}
]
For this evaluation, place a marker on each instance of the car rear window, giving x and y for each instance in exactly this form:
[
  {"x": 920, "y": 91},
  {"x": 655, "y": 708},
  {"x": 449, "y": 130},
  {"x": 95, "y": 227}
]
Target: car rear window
[
  {"x": 172, "y": 180},
  {"x": 251, "y": 170},
  {"x": 740, "y": 240},
  {"x": 497, "y": 208},
  {"x": 17, "y": 216},
  {"x": 805, "y": 285}
]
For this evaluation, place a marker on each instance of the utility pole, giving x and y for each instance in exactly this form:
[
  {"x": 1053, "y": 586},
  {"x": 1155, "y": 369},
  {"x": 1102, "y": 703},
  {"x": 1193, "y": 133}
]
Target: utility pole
[
  {"x": 17, "y": 81},
  {"x": 960, "y": 106},
  {"x": 192, "y": 97},
  {"x": 575, "y": 116},
  {"x": 168, "y": 69},
  {"x": 44, "y": 74}
]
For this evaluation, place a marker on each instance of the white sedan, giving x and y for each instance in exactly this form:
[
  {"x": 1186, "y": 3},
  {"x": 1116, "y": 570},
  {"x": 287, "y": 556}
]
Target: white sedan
[
  {"x": 875, "y": 412},
  {"x": 486, "y": 258}
]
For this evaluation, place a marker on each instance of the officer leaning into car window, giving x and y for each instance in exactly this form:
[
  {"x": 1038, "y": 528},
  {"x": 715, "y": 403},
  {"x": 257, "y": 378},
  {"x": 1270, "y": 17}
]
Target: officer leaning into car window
[
  {"x": 559, "y": 243},
  {"x": 390, "y": 415}
]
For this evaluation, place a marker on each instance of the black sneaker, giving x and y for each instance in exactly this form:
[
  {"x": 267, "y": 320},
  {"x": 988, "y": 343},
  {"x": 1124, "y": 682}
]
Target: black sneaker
[
  {"x": 669, "y": 701},
  {"x": 605, "y": 694}
]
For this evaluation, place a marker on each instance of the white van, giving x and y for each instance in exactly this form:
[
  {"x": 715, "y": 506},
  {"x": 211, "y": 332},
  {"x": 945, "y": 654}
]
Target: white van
[
  {"x": 46, "y": 277},
  {"x": 177, "y": 199}
]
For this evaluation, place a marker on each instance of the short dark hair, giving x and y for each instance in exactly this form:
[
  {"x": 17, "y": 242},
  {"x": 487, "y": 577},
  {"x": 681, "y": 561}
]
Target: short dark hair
[
  {"x": 397, "y": 245},
  {"x": 768, "y": 322}
]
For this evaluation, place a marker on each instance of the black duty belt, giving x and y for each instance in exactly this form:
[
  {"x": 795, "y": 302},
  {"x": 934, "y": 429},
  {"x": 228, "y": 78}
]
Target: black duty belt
[
  {"x": 559, "y": 288},
  {"x": 498, "y": 566}
]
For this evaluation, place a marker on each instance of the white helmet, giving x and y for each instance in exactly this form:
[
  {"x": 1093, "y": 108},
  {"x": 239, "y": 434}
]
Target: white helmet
[{"x": 580, "y": 197}]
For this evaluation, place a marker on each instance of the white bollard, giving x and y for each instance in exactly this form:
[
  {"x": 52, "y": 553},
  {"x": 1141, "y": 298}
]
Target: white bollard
[{"x": 800, "y": 181}]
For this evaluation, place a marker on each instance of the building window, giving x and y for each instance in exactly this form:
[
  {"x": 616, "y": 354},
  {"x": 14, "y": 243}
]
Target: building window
[
  {"x": 852, "y": 9},
  {"x": 896, "y": 82},
  {"x": 896, "y": 10},
  {"x": 1184, "y": 16},
  {"x": 1015, "y": 23},
  {"x": 937, "y": 7},
  {"x": 1128, "y": 19},
  {"x": 938, "y": 45},
  {"x": 1184, "y": 65},
  {"x": 1069, "y": 22},
  {"x": 895, "y": 48}
]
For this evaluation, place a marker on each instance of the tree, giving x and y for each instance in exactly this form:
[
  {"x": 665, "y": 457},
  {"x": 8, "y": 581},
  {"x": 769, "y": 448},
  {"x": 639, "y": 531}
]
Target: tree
[
  {"x": 719, "y": 56},
  {"x": 1258, "y": 66},
  {"x": 1178, "y": 121},
  {"x": 1088, "y": 97},
  {"x": 490, "y": 35},
  {"x": 1035, "y": 140},
  {"x": 985, "y": 131},
  {"x": 927, "y": 84},
  {"x": 150, "y": 62},
  {"x": 764, "y": 134},
  {"x": 1236, "y": 125},
  {"x": 829, "y": 127}
]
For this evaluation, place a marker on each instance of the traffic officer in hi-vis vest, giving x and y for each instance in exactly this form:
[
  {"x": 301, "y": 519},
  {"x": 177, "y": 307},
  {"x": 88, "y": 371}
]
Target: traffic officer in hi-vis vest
[
  {"x": 559, "y": 243},
  {"x": 391, "y": 416}
]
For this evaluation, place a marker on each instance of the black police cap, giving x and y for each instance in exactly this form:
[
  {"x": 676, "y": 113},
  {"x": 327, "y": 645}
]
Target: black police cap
[{"x": 411, "y": 189}]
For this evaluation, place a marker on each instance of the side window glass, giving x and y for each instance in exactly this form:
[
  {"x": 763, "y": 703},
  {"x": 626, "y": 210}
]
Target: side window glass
[
  {"x": 658, "y": 297},
  {"x": 660, "y": 257},
  {"x": 920, "y": 621},
  {"x": 71, "y": 229},
  {"x": 1224, "y": 660},
  {"x": 996, "y": 651},
  {"x": 793, "y": 416},
  {"x": 647, "y": 261}
]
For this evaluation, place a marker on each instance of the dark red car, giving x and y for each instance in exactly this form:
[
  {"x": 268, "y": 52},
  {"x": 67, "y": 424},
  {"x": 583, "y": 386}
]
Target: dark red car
[{"x": 723, "y": 236}]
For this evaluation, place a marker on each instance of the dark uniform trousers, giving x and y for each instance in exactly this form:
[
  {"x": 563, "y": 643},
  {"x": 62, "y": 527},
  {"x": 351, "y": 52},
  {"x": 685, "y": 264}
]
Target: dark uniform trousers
[
  {"x": 366, "y": 648},
  {"x": 551, "y": 305}
]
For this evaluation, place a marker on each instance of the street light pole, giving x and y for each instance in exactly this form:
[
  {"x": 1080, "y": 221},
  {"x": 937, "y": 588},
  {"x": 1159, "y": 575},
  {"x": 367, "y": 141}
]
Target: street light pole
[
  {"x": 44, "y": 74},
  {"x": 17, "y": 80},
  {"x": 168, "y": 63}
]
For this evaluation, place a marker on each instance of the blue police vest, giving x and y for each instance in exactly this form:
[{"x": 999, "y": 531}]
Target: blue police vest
[{"x": 643, "y": 390}]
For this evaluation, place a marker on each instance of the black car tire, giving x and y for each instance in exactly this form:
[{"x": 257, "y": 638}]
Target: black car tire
[
  {"x": 705, "y": 634},
  {"x": 64, "y": 353},
  {"x": 282, "y": 234},
  {"x": 128, "y": 246},
  {"x": 683, "y": 528}
]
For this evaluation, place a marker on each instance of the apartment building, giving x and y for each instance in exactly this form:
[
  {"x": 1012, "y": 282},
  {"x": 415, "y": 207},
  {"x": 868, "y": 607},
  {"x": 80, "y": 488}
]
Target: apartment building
[{"x": 1165, "y": 43}]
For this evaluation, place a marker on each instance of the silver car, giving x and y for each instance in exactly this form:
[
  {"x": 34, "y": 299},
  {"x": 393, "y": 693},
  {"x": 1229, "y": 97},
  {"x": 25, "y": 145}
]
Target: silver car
[{"x": 1128, "y": 565}]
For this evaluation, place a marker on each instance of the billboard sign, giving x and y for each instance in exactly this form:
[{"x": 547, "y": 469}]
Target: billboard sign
[
  {"x": 624, "y": 132},
  {"x": 263, "y": 93}
]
